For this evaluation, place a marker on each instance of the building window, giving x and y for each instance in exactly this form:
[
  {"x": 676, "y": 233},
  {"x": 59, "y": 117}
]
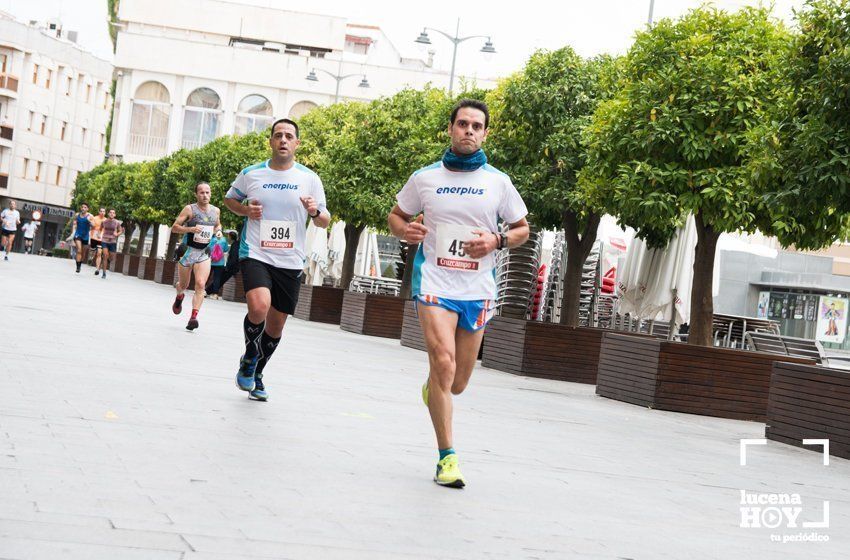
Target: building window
[
  {"x": 88, "y": 93},
  {"x": 25, "y": 168},
  {"x": 68, "y": 85},
  {"x": 301, "y": 108},
  {"x": 49, "y": 77},
  {"x": 38, "y": 171},
  {"x": 102, "y": 141},
  {"x": 35, "y": 74},
  {"x": 254, "y": 113},
  {"x": 31, "y": 122},
  {"x": 106, "y": 99},
  {"x": 85, "y": 136},
  {"x": 43, "y": 127},
  {"x": 201, "y": 118},
  {"x": 149, "y": 121},
  {"x": 62, "y": 127},
  {"x": 3, "y": 59},
  {"x": 58, "y": 175}
]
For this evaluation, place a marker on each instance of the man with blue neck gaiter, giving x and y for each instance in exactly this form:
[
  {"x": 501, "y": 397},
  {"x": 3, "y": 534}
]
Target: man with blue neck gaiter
[{"x": 457, "y": 202}]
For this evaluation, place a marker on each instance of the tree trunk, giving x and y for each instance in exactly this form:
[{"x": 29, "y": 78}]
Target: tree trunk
[
  {"x": 579, "y": 245},
  {"x": 407, "y": 277},
  {"x": 143, "y": 233},
  {"x": 172, "y": 244},
  {"x": 702, "y": 301},
  {"x": 129, "y": 228},
  {"x": 154, "y": 252},
  {"x": 352, "y": 239}
]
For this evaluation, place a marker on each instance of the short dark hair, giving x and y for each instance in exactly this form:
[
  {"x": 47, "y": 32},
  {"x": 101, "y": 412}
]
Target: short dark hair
[
  {"x": 473, "y": 104},
  {"x": 287, "y": 121},
  {"x": 201, "y": 183}
]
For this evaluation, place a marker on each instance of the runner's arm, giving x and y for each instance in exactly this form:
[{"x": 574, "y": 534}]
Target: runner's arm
[
  {"x": 178, "y": 226},
  {"x": 73, "y": 225},
  {"x": 518, "y": 233},
  {"x": 402, "y": 227}
]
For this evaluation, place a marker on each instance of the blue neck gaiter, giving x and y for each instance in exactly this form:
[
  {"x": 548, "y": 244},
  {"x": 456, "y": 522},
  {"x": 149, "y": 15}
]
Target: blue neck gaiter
[{"x": 470, "y": 162}]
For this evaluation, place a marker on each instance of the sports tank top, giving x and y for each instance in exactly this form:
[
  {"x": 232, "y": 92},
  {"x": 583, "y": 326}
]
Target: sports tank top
[
  {"x": 207, "y": 220},
  {"x": 83, "y": 226}
]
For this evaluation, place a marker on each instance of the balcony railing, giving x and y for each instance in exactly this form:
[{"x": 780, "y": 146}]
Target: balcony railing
[
  {"x": 142, "y": 145},
  {"x": 6, "y": 132},
  {"x": 8, "y": 82},
  {"x": 191, "y": 144}
]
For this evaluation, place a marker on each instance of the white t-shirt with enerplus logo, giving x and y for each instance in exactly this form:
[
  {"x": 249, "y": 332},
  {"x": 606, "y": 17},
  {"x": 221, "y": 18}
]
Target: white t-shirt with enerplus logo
[
  {"x": 454, "y": 203},
  {"x": 277, "y": 239},
  {"x": 10, "y": 219}
]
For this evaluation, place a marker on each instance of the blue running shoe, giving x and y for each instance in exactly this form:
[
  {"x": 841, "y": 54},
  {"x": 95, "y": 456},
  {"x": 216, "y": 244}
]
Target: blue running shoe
[
  {"x": 245, "y": 376},
  {"x": 259, "y": 392}
]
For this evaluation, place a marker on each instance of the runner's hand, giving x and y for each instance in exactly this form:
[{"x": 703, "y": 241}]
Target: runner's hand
[
  {"x": 482, "y": 245},
  {"x": 310, "y": 205},
  {"x": 255, "y": 209},
  {"x": 415, "y": 232},
  {"x": 195, "y": 229}
]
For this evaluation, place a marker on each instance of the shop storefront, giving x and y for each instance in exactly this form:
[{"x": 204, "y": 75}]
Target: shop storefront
[
  {"x": 51, "y": 220},
  {"x": 807, "y": 313}
]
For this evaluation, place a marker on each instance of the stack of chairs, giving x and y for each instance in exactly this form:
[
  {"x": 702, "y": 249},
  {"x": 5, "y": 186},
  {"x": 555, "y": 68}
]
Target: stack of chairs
[{"x": 516, "y": 277}]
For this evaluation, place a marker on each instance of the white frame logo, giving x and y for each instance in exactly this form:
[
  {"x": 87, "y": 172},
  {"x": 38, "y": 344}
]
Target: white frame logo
[{"x": 781, "y": 511}]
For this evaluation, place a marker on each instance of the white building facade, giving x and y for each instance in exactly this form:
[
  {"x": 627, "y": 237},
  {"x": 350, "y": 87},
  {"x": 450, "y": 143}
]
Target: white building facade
[
  {"x": 189, "y": 71},
  {"x": 54, "y": 109}
]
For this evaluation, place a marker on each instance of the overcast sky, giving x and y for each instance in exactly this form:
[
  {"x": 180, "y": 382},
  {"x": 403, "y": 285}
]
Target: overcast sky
[{"x": 517, "y": 29}]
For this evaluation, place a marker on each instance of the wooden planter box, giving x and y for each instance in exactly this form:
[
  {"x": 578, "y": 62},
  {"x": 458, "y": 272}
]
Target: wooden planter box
[
  {"x": 147, "y": 268},
  {"x": 131, "y": 265},
  {"x": 165, "y": 272},
  {"x": 679, "y": 377},
  {"x": 322, "y": 304},
  {"x": 372, "y": 314},
  {"x": 118, "y": 263},
  {"x": 810, "y": 402},
  {"x": 411, "y": 332},
  {"x": 545, "y": 350},
  {"x": 234, "y": 290}
]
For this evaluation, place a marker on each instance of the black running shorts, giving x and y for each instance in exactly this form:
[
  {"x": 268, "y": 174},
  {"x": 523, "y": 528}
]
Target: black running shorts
[
  {"x": 94, "y": 243},
  {"x": 283, "y": 283}
]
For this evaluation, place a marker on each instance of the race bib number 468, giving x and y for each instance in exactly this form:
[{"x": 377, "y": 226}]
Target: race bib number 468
[
  {"x": 450, "y": 251},
  {"x": 278, "y": 234}
]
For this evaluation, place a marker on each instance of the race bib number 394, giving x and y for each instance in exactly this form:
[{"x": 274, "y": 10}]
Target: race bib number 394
[
  {"x": 278, "y": 234},
  {"x": 450, "y": 251}
]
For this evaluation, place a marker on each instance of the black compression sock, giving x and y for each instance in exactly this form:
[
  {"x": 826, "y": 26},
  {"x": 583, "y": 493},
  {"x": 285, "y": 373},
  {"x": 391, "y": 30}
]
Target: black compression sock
[
  {"x": 253, "y": 333},
  {"x": 267, "y": 347}
]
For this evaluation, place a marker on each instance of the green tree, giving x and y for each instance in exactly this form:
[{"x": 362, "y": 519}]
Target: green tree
[
  {"x": 674, "y": 139},
  {"x": 802, "y": 159},
  {"x": 537, "y": 118},
  {"x": 364, "y": 154}
]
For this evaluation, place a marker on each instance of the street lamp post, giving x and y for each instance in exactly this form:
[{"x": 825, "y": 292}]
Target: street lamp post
[
  {"x": 423, "y": 39},
  {"x": 651, "y": 9},
  {"x": 312, "y": 77}
]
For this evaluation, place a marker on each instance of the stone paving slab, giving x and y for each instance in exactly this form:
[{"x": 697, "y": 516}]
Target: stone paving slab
[{"x": 123, "y": 436}]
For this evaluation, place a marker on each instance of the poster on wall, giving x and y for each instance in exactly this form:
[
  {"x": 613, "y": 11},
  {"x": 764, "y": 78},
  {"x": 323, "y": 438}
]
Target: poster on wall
[
  {"x": 832, "y": 319},
  {"x": 764, "y": 301}
]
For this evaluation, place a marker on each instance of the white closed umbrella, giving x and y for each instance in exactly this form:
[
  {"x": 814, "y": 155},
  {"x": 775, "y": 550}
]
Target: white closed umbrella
[
  {"x": 316, "y": 249},
  {"x": 668, "y": 289},
  {"x": 633, "y": 278},
  {"x": 336, "y": 250}
]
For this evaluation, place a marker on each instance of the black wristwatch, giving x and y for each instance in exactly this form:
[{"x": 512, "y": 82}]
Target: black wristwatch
[
  {"x": 503, "y": 241},
  {"x": 318, "y": 212}
]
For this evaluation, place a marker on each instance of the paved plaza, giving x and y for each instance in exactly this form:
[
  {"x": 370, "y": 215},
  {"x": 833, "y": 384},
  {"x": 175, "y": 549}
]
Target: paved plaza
[{"x": 123, "y": 436}]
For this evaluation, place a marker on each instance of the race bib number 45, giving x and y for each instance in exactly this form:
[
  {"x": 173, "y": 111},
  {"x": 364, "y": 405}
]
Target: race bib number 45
[
  {"x": 205, "y": 235},
  {"x": 278, "y": 234},
  {"x": 450, "y": 252}
]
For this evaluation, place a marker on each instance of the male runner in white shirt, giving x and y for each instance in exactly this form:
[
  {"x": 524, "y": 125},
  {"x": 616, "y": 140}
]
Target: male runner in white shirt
[
  {"x": 10, "y": 219},
  {"x": 281, "y": 195},
  {"x": 461, "y": 199}
]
